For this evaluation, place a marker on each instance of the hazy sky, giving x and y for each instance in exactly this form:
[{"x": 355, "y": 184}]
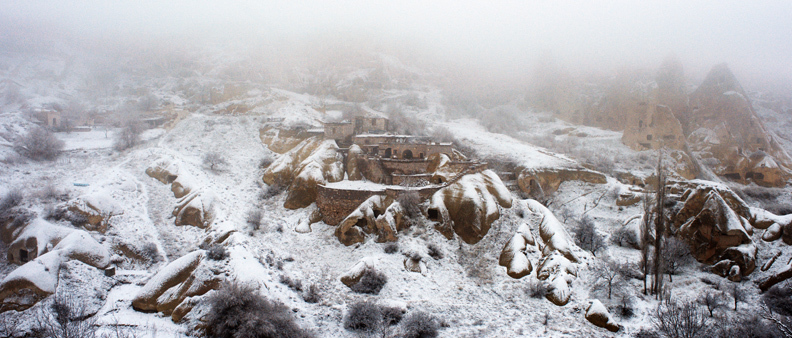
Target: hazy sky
[{"x": 754, "y": 37}]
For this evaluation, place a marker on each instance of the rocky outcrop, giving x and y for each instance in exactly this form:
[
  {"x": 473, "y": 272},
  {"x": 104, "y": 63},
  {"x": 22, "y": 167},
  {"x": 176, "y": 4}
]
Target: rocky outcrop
[
  {"x": 355, "y": 273},
  {"x": 514, "y": 254},
  {"x": 314, "y": 161},
  {"x": 726, "y": 133},
  {"x": 557, "y": 267},
  {"x": 189, "y": 276},
  {"x": 352, "y": 167},
  {"x": 47, "y": 247},
  {"x": 196, "y": 209},
  {"x": 97, "y": 208},
  {"x": 598, "y": 314},
  {"x": 164, "y": 171},
  {"x": 716, "y": 230},
  {"x": 541, "y": 182},
  {"x": 353, "y": 228},
  {"x": 470, "y": 205}
]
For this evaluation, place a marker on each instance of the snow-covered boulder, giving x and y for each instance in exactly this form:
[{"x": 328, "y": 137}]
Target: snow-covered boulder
[
  {"x": 164, "y": 170},
  {"x": 598, "y": 314},
  {"x": 557, "y": 272},
  {"x": 353, "y": 275},
  {"x": 776, "y": 227},
  {"x": 189, "y": 276},
  {"x": 472, "y": 204},
  {"x": 30, "y": 283},
  {"x": 281, "y": 140},
  {"x": 183, "y": 185},
  {"x": 414, "y": 264},
  {"x": 541, "y": 181},
  {"x": 196, "y": 209},
  {"x": 717, "y": 229},
  {"x": 314, "y": 161},
  {"x": 551, "y": 231},
  {"x": 513, "y": 256},
  {"x": 35, "y": 239},
  {"x": 97, "y": 207}
]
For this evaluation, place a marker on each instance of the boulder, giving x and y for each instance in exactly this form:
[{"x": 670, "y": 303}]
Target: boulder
[
  {"x": 772, "y": 233},
  {"x": 163, "y": 170},
  {"x": 281, "y": 140},
  {"x": 35, "y": 239},
  {"x": 472, "y": 204},
  {"x": 353, "y": 275},
  {"x": 695, "y": 194},
  {"x": 389, "y": 223},
  {"x": 598, "y": 314},
  {"x": 715, "y": 229},
  {"x": 196, "y": 209},
  {"x": 414, "y": 265},
  {"x": 189, "y": 276},
  {"x": 551, "y": 231},
  {"x": 557, "y": 273},
  {"x": 513, "y": 256},
  {"x": 628, "y": 196},
  {"x": 97, "y": 207}
]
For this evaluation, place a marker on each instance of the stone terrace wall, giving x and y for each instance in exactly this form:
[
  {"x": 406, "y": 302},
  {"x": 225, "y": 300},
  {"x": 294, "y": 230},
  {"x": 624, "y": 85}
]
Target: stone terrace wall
[{"x": 337, "y": 204}]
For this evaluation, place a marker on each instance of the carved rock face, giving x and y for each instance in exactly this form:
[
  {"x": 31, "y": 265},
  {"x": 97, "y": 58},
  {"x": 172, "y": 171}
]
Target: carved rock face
[{"x": 472, "y": 204}]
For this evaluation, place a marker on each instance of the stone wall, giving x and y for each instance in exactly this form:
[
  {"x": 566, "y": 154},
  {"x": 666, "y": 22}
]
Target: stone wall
[
  {"x": 341, "y": 131},
  {"x": 413, "y": 150},
  {"x": 337, "y": 204}
]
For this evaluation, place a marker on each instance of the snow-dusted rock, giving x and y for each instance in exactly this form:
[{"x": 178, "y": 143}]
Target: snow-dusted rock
[
  {"x": 353, "y": 275},
  {"x": 362, "y": 221},
  {"x": 196, "y": 209},
  {"x": 164, "y": 170},
  {"x": 97, "y": 207},
  {"x": 35, "y": 239},
  {"x": 513, "y": 256},
  {"x": 541, "y": 181},
  {"x": 557, "y": 272},
  {"x": 281, "y": 140},
  {"x": 772, "y": 233},
  {"x": 552, "y": 231},
  {"x": 414, "y": 265},
  {"x": 598, "y": 314},
  {"x": 30, "y": 283},
  {"x": 472, "y": 204},
  {"x": 314, "y": 161},
  {"x": 189, "y": 276}
]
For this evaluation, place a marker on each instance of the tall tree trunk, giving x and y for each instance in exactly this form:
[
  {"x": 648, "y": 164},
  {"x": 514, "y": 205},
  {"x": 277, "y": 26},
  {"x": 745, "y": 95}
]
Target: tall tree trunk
[{"x": 659, "y": 229}]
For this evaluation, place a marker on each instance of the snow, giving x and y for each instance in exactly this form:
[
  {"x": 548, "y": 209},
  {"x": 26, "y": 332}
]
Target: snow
[{"x": 164, "y": 279}]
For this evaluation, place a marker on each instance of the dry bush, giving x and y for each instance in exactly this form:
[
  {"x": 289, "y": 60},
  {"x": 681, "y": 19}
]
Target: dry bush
[
  {"x": 39, "y": 144},
  {"x": 420, "y": 325},
  {"x": 371, "y": 282},
  {"x": 254, "y": 218},
  {"x": 587, "y": 237},
  {"x": 65, "y": 317},
  {"x": 10, "y": 200},
  {"x": 434, "y": 251},
  {"x": 217, "y": 253},
  {"x": 370, "y": 317},
  {"x": 312, "y": 294},
  {"x": 391, "y": 247},
  {"x": 214, "y": 161},
  {"x": 680, "y": 320},
  {"x": 293, "y": 283},
  {"x": 129, "y": 135},
  {"x": 239, "y": 311}
]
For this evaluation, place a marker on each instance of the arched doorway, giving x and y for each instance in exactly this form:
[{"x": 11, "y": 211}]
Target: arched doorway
[
  {"x": 388, "y": 153},
  {"x": 407, "y": 154}
]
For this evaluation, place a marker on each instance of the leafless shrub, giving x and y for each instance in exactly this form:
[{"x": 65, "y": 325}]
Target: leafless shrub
[
  {"x": 391, "y": 247},
  {"x": 312, "y": 294},
  {"x": 272, "y": 191},
  {"x": 39, "y": 144},
  {"x": 680, "y": 320},
  {"x": 150, "y": 252},
  {"x": 419, "y": 324},
  {"x": 129, "y": 135},
  {"x": 625, "y": 306},
  {"x": 745, "y": 326},
  {"x": 265, "y": 162},
  {"x": 65, "y": 317},
  {"x": 293, "y": 283},
  {"x": 371, "y": 282},
  {"x": 217, "y": 252},
  {"x": 536, "y": 289},
  {"x": 778, "y": 299},
  {"x": 10, "y": 200},
  {"x": 370, "y": 317},
  {"x": 254, "y": 218},
  {"x": 214, "y": 161},
  {"x": 410, "y": 201},
  {"x": 240, "y": 311},
  {"x": 434, "y": 251},
  {"x": 13, "y": 159},
  {"x": 608, "y": 277}
]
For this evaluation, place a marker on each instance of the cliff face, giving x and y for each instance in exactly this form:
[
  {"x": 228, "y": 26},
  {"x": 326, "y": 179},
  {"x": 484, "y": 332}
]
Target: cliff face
[{"x": 726, "y": 133}]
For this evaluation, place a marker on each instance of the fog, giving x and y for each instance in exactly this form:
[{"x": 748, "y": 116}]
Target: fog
[{"x": 499, "y": 40}]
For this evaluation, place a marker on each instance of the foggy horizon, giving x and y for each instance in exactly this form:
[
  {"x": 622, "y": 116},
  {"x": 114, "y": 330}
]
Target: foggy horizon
[{"x": 502, "y": 39}]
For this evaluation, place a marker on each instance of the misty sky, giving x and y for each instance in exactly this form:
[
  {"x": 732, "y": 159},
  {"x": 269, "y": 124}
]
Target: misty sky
[{"x": 753, "y": 37}]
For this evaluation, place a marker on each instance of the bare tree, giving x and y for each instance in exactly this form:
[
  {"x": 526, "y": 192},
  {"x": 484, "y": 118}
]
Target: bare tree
[
  {"x": 587, "y": 237},
  {"x": 608, "y": 276},
  {"x": 129, "y": 135},
  {"x": 214, "y": 161},
  {"x": 675, "y": 255},
  {"x": 659, "y": 218},
  {"x": 680, "y": 320},
  {"x": 712, "y": 301},
  {"x": 65, "y": 318},
  {"x": 645, "y": 239},
  {"x": 39, "y": 144}
]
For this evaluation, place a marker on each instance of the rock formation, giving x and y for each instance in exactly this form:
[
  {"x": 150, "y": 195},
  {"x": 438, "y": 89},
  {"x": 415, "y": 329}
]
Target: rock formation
[
  {"x": 598, "y": 314},
  {"x": 312, "y": 162},
  {"x": 169, "y": 289},
  {"x": 540, "y": 182}
]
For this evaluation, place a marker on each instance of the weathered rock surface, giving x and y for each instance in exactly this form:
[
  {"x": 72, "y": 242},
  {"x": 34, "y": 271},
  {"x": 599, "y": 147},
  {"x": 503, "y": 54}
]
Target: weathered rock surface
[
  {"x": 281, "y": 140},
  {"x": 513, "y": 256},
  {"x": 598, "y": 314},
  {"x": 353, "y": 275},
  {"x": 312, "y": 162},
  {"x": 557, "y": 272},
  {"x": 97, "y": 208},
  {"x": 165, "y": 171},
  {"x": 472, "y": 204},
  {"x": 377, "y": 215},
  {"x": 196, "y": 209},
  {"x": 189, "y": 276},
  {"x": 352, "y": 168}
]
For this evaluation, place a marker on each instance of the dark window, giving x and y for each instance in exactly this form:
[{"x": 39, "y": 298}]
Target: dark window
[
  {"x": 23, "y": 255},
  {"x": 407, "y": 155},
  {"x": 433, "y": 214},
  {"x": 649, "y": 137}
]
